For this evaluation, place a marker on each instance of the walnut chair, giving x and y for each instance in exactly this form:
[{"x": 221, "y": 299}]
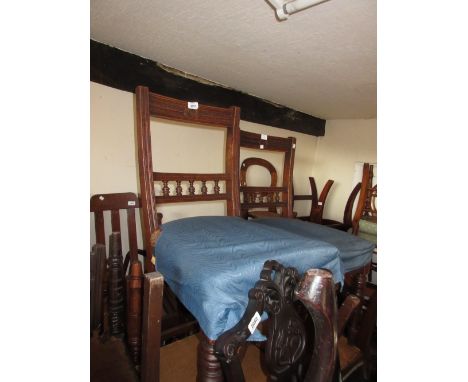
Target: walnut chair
[
  {"x": 318, "y": 202},
  {"x": 110, "y": 279},
  {"x": 251, "y": 196},
  {"x": 273, "y": 197},
  {"x": 365, "y": 217},
  {"x": 347, "y": 222}
]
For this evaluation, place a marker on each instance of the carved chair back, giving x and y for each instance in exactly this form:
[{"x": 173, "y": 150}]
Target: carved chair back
[
  {"x": 271, "y": 197},
  {"x": 149, "y": 105},
  {"x": 302, "y": 330}
]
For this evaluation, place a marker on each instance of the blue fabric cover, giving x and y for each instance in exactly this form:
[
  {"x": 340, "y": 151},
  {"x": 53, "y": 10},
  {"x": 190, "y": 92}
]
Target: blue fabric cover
[
  {"x": 211, "y": 263},
  {"x": 354, "y": 251}
]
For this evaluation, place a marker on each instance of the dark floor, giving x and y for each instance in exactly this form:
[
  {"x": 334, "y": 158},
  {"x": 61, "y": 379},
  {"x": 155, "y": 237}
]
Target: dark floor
[{"x": 110, "y": 363}]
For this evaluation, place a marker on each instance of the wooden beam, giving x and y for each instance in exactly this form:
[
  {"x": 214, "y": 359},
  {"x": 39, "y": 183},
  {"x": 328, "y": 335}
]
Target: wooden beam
[{"x": 125, "y": 71}]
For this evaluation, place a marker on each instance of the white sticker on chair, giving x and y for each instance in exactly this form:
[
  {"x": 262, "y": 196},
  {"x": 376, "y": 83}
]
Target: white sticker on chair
[
  {"x": 320, "y": 203},
  {"x": 131, "y": 203},
  {"x": 254, "y": 322},
  {"x": 264, "y": 137},
  {"x": 262, "y": 147},
  {"x": 192, "y": 105},
  {"x": 294, "y": 145}
]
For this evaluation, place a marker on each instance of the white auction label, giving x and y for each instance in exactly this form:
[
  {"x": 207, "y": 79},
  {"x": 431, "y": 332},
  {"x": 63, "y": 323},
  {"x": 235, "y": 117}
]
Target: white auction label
[
  {"x": 131, "y": 202},
  {"x": 264, "y": 137},
  {"x": 254, "y": 322},
  {"x": 192, "y": 105}
]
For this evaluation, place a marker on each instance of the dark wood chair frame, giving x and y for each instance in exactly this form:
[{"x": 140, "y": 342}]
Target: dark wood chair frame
[
  {"x": 116, "y": 287},
  {"x": 272, "y": 197},
  {"x": 318, "y": 202},
  {"x": 366, "y": 207},
  {"x": 252, "y": 196},
  {"x": 289, "y": 353},
  {"x": 176, "y": 320},
  {"x": 154, "y": 105},
  {"x": 348, "y": 212}
]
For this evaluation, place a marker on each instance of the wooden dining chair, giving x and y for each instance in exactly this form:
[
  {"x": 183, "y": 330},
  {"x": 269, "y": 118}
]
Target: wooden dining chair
[
  {"x": 123, "y": 278},
  {"x": 252, "y": 196},
  {"x": 124, "y": 293},
  {"x": 318, "y": 202},
  {"x": 306, "y": 332},
  {"x": 272, "y": 197},
  {"x": 365, "y": 216},
  {"x": 347, "y": 222}
]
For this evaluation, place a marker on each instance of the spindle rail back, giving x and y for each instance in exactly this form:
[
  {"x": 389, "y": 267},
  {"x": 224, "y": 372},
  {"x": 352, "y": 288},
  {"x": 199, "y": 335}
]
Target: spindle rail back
[
  {"x": 149, "y": 105},
  {"x": 271, "y": 197}
]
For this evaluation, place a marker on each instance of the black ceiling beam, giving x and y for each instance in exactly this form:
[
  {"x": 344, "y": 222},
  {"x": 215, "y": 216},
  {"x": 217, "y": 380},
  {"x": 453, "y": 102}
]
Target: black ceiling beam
[{"x": 125, "y": 71}]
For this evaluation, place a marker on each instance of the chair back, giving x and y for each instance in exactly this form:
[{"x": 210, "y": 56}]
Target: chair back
[
  {"x": 149, "y": 105},
  {"x": 367, "y": 206},
  {"x": 272, "y": 197},
  {"x": 292, "y": 351}
]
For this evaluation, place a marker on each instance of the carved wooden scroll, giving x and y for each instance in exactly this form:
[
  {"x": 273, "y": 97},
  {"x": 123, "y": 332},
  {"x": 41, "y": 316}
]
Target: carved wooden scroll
[{"x": 285, "y": 351}]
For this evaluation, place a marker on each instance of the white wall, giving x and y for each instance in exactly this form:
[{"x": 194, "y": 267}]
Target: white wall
[
  {"x": 176, "y": 148},
  {"x": 345, "y": 143}
]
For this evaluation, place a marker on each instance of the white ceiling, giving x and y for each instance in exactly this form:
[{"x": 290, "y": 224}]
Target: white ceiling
[{"x": 321, "y": 61}]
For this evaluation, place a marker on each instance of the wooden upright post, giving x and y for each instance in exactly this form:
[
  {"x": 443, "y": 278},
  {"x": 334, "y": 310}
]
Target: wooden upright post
[
  {"x": 152, "y": 317},
  {"x": 317, "y": 292},
  {"x": 116, "y": 285}
]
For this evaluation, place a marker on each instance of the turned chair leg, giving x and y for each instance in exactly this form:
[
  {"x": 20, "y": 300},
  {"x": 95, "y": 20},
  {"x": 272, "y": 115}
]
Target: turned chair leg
[{"x": 208, "y": 366}]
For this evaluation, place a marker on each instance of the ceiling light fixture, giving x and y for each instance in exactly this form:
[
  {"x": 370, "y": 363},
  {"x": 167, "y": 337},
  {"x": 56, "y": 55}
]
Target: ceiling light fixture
[{"x": 284, "y": 8}]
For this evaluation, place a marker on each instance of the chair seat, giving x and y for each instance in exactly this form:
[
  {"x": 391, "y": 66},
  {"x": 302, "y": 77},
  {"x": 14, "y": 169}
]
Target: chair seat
[
  {"x": 368, "y": 230},
  {"x": 263, "y": 214},
  {"x": 368, "y": 226}
]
